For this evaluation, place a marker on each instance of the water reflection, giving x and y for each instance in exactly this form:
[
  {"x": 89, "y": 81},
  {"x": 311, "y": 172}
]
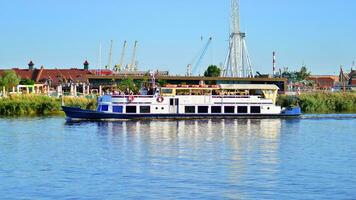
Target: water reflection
[
  {"x": 230, "y": 151},
  {"x": 240, "y": 135},
  {"x": 237, "y": 139}
]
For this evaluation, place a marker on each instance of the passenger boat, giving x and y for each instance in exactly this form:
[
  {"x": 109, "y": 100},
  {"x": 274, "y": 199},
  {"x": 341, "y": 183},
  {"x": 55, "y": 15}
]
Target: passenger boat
[{"x": 185, "y": 102}]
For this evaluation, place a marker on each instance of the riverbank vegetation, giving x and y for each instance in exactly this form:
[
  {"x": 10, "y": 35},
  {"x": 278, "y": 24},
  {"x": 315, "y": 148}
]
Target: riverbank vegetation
[
  {"x": 29, "y": 105},
  {"x": 321, "y": 102}
]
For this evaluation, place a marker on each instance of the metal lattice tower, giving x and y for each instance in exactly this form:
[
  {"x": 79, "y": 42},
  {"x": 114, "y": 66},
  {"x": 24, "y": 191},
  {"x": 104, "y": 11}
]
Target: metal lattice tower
[{"x": 237, "y": 62}]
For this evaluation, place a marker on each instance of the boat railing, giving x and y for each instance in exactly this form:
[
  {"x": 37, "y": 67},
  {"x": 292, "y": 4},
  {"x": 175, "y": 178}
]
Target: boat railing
[
  {"x": 213, "y": 96},
  {"x": 236, "y": 96},
  {"x": 135, "y": 96}
]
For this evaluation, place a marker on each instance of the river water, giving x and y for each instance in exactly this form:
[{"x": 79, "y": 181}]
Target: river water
[{"x": 309, "y": 158}]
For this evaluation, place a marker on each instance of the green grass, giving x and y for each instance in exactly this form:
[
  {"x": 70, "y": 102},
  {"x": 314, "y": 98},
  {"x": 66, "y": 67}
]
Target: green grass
[
  {"x": 29, "y": 105},
  {"x": 321, "y": 102}
]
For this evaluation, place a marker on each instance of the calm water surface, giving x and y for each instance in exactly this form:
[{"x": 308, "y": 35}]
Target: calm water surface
[{"x": 46, "y": 158}]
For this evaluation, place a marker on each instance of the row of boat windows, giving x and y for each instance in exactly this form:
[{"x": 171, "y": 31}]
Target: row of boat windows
[
  {"x": 129, "y": 109},
  {"x": 187, "y": 109},
  {"x": 224, "y": 109}
]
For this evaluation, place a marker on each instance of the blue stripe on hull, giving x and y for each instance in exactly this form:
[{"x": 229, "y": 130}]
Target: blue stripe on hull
[{"x": 77, "y": 113}]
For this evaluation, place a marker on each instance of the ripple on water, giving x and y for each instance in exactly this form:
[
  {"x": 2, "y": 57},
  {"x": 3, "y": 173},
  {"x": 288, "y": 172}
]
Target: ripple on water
[{"x": 307, "y": 158}]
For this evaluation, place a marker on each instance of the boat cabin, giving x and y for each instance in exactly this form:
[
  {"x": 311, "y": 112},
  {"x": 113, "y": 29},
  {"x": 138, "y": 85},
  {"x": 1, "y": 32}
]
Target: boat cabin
[
  {"x": 261, "y": 90},
  {"x": 196, "y": 99}
]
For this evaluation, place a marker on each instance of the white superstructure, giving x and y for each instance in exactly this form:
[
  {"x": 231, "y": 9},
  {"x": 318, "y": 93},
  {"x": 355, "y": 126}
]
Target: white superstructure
[{"x": 239, "y": 99}]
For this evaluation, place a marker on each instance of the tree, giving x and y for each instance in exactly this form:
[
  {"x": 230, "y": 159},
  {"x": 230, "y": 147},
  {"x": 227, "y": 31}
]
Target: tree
[
  {"x": 296, "y": 76},
  {"x": 127, "y": 83},
  {"x": 27, "y": 82},
  {"x": 161, "y": 82},
  {"x": 212, "y": 71},
  {"x": 303, "y": 73},
  {"x": 9, "y": 79}
]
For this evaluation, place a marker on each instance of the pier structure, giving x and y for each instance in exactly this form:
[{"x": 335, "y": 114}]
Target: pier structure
[{"x": 108, "y": 81}]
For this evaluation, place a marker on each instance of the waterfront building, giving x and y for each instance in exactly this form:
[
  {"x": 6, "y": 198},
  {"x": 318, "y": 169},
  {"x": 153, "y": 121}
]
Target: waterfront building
[
  {"x": 48, "y": 81},
  {"x": 85, "y": 81},
  {"x": 347, "y": 81},
  {"x": 352, "y": 79},
  {"x": 324, "y": 82}
]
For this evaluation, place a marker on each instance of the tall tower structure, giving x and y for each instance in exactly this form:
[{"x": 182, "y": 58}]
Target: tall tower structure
[
  {"x": 274, "y": 64},
  {"x": 237, "y": 62}
]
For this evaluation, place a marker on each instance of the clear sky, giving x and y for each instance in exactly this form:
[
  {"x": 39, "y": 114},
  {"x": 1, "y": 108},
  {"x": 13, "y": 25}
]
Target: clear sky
[{"x": 319, "y": 33}]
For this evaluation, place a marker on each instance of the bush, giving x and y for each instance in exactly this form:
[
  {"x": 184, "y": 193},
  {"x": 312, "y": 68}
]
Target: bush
[
  {"x": 321, "y": 102},
  {"x": 17, "y": 105}
]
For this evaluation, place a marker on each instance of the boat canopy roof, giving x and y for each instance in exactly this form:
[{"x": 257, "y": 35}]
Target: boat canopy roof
[
  {"x": 225, "y": 87},
  {"x": 249, "y": 87}
]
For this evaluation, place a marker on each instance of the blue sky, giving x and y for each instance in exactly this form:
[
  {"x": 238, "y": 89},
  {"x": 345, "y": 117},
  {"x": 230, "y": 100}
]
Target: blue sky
[{"x": 319, "y": 33}]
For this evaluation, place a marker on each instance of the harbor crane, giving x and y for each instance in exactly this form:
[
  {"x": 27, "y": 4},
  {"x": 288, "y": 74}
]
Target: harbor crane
[
  {"x": 132, "y": 66},
  {"x": 195, "y": 64},
  {"x": 118, "y": 67},
  {"x": 110, "y": 55}
]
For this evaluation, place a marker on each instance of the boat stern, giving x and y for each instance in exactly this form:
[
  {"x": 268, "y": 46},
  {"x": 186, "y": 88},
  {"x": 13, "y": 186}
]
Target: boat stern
[{"x": 292, "y": 111}]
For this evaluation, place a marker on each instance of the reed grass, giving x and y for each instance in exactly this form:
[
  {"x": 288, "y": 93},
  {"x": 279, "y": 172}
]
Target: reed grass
[
  {"x": 321, "y": 102},
  {"x": 29, "y": 105}
]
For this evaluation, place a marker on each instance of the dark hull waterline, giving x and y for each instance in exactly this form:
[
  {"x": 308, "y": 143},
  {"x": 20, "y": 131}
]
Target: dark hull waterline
[{"x": 73, "y": 113}]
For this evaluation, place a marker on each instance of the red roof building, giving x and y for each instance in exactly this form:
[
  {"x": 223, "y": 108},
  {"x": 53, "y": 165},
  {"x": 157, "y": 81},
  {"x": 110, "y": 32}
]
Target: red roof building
[
  {"x": 53, "y": 77},
  {"x": 352, "y": 80},
  {"x": 324, "y": 82}
]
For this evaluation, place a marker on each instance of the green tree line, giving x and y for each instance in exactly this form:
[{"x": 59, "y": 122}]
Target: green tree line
[{"x": 9, "y": 79}]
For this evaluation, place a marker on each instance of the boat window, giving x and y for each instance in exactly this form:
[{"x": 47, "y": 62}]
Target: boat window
[
  {"x": 203, "y": 109},
  {"x": 190, "y": 109},
  {"x": 215, "y": 92},
  {"x": 171, "y": 102},
  {"x": 104, "y": 108},
  {"x": 229, "y": 109},
  {"x": 183, "y": 92},
  {"x": 215, "y": 109},
  {"x": 167, "y": 91},
  {"x": 241, "y": 109},
  {"x": 255, "y": 109},
  {"x": 145, "y": 109},
  {"x": 130, "y": 109},
  {"x": 117, "y": 109},
  {"x": 256, "y": 92}
]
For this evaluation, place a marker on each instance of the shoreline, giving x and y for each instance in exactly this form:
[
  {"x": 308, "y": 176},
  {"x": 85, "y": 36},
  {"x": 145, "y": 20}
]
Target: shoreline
[
  {"x": 38, "y": 106},
  {"x": 306, "y": 116}
]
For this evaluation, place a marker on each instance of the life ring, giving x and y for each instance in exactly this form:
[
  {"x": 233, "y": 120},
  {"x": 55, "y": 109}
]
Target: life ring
[
  {"x": 131, "y": 98},
  {"x": 160, "y": 99}
]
